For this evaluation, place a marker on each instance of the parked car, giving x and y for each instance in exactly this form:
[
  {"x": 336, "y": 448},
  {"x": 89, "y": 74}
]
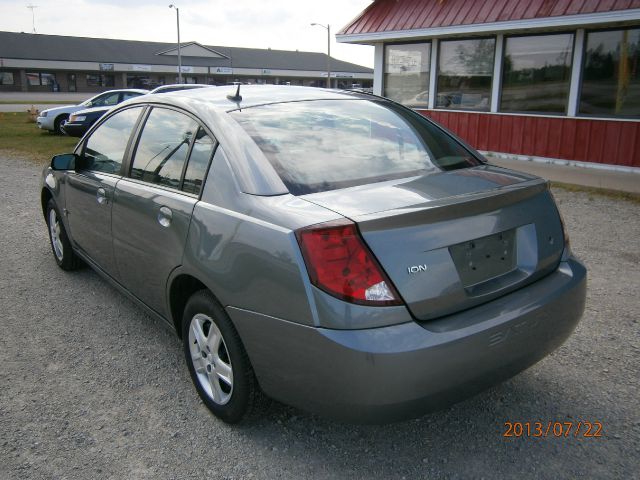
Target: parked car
[
  {"x": 53, "y": 118},
  {"x": 79, "y": 122},
  {"x": 177, "y": 87},
  {"x": 336, "y": 251}
]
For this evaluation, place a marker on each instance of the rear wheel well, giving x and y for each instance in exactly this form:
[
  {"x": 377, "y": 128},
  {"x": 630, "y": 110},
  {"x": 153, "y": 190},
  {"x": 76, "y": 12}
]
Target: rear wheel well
[
  {"x": 45, "y": 196},
  {"x": 182, "y": 288}
]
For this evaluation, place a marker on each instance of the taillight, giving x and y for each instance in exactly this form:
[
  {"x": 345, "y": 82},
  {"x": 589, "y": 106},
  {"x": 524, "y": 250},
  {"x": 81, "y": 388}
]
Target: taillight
[{"x": 342, "y": 265}]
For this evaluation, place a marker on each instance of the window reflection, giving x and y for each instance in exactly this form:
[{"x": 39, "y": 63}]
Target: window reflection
[
  {"x": 611, "y": 73},
  {"x": 537, "y": 73},
  {"x": 163, "y": 147},
  {"x": 198, "y": 162},
  {"x": 465, "y": 71},
  {"x": 328, "y": 144},
  {"x": 406, "y": 73},
  {"x": 105, "y": 148}
]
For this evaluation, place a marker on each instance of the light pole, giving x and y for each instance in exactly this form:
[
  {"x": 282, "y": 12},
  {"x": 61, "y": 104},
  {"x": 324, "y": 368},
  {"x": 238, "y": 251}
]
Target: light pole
[
  {"x": 328, "y": 29},
  {"x": 179, "y": 52}
]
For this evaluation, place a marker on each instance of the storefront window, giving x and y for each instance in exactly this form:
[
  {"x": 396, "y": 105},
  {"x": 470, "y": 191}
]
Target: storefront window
[
  {"x": 40, "y": 78},
  {"x": 611, "y": 73},
  {"x": 465, "y": 71},
  {"x": 537, "y": 73},
  {"x": 406, "y": 73},
  {"x": 100, "y": 80},
  {"x": 6, "y": 78}
]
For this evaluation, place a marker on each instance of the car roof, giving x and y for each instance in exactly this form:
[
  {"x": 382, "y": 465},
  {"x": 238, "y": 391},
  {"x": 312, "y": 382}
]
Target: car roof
[
  {"x": 253, "y": 171},
  {"x": 117, "y": 90},
  {"x": 178, "y": 86},
  {"x": 253, "y": 95}
]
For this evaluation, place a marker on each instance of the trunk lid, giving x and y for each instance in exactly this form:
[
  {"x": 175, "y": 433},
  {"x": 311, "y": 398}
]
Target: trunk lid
[{"x": 455, "y": 239}]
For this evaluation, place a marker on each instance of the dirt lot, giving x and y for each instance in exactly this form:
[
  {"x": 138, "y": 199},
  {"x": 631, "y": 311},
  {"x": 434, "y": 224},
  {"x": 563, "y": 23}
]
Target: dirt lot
[{"x": 90, "y": 387}]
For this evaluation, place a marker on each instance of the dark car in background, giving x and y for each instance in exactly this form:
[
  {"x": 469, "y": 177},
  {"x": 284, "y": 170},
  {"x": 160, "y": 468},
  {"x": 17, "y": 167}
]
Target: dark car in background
[
  {"x": 335, "y": 250},
  {"x": 80, "y": 122}
]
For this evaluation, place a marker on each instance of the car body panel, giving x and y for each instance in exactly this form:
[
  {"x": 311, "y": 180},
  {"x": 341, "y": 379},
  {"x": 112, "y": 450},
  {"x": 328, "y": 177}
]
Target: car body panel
[
  {"x": 145, "y": 250},
  {"x": 89, "y": 198}
]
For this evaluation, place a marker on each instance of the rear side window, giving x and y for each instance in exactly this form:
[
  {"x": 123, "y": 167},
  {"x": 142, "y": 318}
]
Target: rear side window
[
  {"x": 106, "y": 100},
  {"x": 328, "y": 144},
  {"x": 198, "y": 162},
  {"x": 163, "y": 147},
  {"x": 105, "y": 148}
]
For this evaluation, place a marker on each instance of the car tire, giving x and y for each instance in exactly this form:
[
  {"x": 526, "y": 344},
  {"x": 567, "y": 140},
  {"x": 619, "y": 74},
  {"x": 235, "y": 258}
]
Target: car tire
[
  {"x": 218, "y": 363},
  {"x": 63, "y": 254},
  {"x": 58, "y": 123}
]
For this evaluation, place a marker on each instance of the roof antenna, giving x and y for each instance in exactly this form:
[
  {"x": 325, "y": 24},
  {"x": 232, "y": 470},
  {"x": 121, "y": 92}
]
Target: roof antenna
[{"x": 237, "y": 97}]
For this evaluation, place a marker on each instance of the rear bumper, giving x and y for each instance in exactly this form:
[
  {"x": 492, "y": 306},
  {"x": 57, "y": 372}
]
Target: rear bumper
[{"x": 402, "y": 371}]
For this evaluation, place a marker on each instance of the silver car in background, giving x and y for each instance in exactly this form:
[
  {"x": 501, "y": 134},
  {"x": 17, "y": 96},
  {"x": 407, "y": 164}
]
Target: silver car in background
[
  {"x": 53, "y": 119},
  {"x": 332, "y": 250}
]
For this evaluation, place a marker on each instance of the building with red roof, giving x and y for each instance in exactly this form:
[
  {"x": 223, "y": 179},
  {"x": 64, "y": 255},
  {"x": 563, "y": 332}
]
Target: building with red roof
[{"x": 549, "y": 79}]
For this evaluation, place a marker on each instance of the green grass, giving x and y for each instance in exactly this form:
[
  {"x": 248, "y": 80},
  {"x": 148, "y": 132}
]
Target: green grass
[
  {"x": 615, "y": 194},
  {"x": 19, "y": 136}
]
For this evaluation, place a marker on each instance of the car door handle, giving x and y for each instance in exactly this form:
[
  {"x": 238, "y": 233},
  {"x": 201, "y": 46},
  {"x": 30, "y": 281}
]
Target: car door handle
[
  {"x": 101, "y": 196},
  {"x": 164, "y": 216}
]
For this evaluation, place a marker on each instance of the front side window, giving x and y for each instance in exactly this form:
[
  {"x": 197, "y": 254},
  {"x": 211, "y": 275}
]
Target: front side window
[
  {"x": 163, "y": 147},
  {"x": 406, "y": 73},
  {"x": 611, "y": 73},
  {"x": 105, "y": 148},
  {"x": 322, "y": 145},
  {"x": 465, "y": 73},
  {"x": 537, "y": 73}
]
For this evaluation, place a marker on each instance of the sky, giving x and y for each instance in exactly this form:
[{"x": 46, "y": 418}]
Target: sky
[{"x": 276, "y": 24}]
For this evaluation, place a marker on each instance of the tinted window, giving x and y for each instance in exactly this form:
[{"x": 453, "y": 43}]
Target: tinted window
[
  {"x": 327, "y": 144},
  {"x": 406, "y": 73},
  {"x": 163, "y": 147},
  {"x": 537, "y": 73},
  {"x": 106, "y": 100},
  {"x": 465, "y": 71},
  {"x": 611, "y": 75},
  {"x": 106, "y": 147},
  {"x": 128, "y": 95},
  {"x": 198, "y": 162}
]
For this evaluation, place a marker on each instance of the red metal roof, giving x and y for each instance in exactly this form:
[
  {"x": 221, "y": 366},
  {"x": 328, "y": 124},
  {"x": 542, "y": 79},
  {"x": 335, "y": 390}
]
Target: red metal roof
[{"x": 393, "y": 15}]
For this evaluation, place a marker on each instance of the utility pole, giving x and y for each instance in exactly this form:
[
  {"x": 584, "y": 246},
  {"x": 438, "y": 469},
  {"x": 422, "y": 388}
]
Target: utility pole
[
  {"x": 179, "y": 52},
  {"x": 328, "y": 29},
  {"x": 32, "y": 7}
]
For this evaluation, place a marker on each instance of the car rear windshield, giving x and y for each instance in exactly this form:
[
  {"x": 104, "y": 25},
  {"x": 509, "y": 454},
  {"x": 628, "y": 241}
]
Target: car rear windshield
[{"x": 324, "y": 145}]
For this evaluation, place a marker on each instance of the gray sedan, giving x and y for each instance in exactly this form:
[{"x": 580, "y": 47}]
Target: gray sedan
[{"x": 331, "y": 250}]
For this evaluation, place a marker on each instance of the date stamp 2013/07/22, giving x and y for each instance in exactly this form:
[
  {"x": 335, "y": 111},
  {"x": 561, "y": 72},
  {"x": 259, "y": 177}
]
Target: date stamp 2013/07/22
[{"x": 557, "y": 429}]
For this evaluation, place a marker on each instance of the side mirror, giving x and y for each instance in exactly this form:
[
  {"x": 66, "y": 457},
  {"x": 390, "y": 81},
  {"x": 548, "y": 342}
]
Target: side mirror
[
  {"x": 66, "y": 161},
  {"x": 88, "y": 104}
]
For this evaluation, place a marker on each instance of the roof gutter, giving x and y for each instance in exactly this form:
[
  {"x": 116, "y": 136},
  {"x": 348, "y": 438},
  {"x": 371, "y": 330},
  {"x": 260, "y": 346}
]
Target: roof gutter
[{"x": 495, "y": 27}]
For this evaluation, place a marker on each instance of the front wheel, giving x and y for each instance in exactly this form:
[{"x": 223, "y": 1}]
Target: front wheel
[
  {"x": 62, "y": 251},
  {"x": 217, "y": 361},
  {"x": 58, "y": 122}
]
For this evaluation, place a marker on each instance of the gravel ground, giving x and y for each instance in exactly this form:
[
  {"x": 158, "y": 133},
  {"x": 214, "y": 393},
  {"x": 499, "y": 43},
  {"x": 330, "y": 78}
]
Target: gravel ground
[{"x": 91, "y": 387}]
